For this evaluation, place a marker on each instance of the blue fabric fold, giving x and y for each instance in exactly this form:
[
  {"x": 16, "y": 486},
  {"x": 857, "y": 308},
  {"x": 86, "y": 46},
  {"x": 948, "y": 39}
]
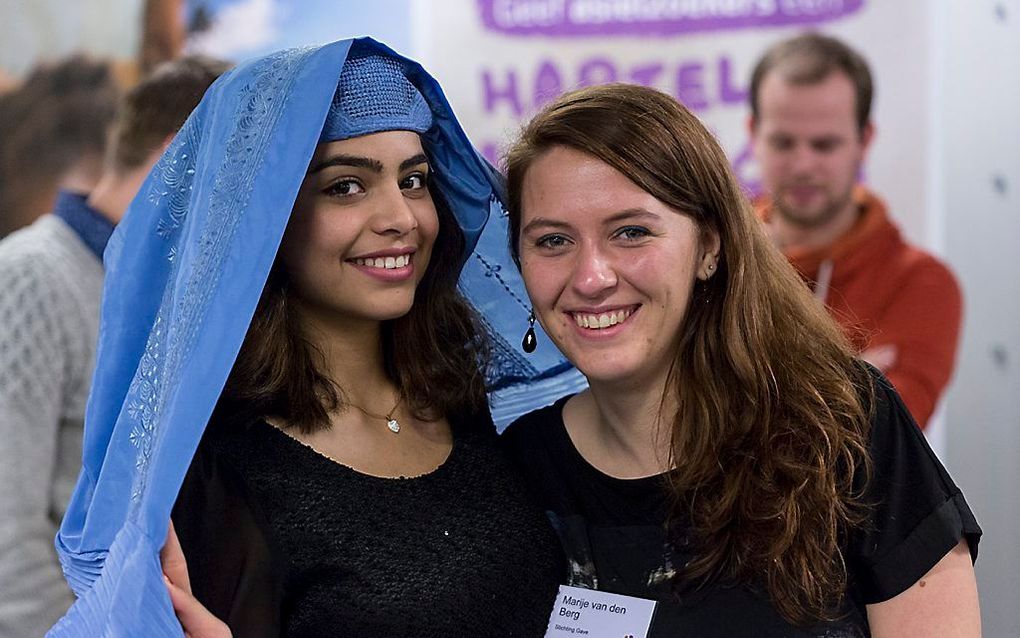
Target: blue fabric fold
[
  {"x": 518, "y": 382},
  {"x": 185, "y": 269}
]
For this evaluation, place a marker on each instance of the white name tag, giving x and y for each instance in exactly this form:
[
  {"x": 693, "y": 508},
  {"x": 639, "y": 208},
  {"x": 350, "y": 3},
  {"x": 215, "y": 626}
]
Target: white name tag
[{"x": 599, "y": 614}]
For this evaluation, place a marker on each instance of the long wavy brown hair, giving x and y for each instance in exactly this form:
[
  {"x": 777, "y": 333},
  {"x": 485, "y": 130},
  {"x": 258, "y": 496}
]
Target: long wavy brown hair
[
  {"x": 773, "y": 409},
  {"x": 435, "y": 354}
]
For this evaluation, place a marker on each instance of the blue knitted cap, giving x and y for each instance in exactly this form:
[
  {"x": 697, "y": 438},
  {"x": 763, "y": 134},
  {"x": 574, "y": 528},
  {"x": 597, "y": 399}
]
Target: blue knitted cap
[{"x": 373, "y": 96}]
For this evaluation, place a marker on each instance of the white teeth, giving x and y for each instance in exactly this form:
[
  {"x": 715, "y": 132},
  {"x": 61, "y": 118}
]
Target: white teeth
[
  {"x": 384, "y": 262},
  {"x": 600, "y": 321}
]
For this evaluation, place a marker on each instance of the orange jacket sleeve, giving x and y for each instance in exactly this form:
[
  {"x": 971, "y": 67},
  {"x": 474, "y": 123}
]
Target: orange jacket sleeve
[{"x": 924, "y": 326}]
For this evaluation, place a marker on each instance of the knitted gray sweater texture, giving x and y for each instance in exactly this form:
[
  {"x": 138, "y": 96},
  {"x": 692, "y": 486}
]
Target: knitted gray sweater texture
[{"x": 50, "y": 287}]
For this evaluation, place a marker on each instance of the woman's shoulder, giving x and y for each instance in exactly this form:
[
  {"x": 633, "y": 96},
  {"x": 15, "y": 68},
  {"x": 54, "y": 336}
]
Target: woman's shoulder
[
  {"x": 234, "y": 452},
  {"x": 890, "y": 424},
  {"x": 917, "y": 512},
  {"x": 535, "y": 425},
  {"x": 215, "y": 463},
  {"x": 881, "y": 393}
]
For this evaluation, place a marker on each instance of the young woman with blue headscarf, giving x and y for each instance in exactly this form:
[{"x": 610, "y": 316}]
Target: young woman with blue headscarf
[{"x": 289, "y": 277}]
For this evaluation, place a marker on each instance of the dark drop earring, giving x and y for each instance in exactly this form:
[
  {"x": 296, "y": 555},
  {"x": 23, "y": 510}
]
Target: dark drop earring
[{"x": 530, "y": 341}]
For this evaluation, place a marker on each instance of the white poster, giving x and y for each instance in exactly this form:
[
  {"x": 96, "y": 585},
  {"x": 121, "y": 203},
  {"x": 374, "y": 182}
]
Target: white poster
[{"x": 500, "y": 60}]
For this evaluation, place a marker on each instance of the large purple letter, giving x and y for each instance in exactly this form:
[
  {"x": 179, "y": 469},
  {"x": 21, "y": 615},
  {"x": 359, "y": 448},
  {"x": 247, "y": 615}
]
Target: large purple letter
[
  {"x": 690, "y": 86},
  {"x": 508, "y": 93},
  {"x": 548, "y": 83},
  {"x": 728, "y": 93},
  {"x": 596, "y": 71}
]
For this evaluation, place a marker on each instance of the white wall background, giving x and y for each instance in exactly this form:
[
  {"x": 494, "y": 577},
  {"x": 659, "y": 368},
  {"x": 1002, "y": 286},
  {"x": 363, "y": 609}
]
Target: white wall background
[
  {"x": 977, "y": 118},
  {"x": 31, "y": 30}
]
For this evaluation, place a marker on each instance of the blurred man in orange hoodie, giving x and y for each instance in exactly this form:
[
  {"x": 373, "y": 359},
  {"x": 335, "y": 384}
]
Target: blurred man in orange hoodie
[{"x": 811, "y": 128}]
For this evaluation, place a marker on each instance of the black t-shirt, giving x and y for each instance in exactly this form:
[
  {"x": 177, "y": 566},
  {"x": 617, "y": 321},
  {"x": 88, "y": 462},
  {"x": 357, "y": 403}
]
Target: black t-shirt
[
  {"x": 613, "y": 530},
  {"x": 282, "y": 541}
]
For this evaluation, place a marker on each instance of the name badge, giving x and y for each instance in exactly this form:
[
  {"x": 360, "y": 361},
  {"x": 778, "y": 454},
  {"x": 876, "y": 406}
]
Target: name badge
[{"x": 599, "y": 614}]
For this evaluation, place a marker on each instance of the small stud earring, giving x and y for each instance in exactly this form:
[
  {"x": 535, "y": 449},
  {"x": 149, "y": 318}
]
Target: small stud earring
[{"x": 530, "y": 341}]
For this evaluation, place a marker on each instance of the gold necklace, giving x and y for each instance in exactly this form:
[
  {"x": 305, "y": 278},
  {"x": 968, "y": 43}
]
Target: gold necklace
[{"x": 391, "y": 422}]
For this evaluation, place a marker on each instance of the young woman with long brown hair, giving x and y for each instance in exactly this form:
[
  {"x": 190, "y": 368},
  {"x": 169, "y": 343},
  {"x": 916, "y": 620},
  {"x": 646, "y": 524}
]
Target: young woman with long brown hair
[{"x": 731, "y": 458}]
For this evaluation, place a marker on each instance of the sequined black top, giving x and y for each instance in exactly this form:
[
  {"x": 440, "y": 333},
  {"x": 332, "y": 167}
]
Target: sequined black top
[{"x": 282, "y": 541}]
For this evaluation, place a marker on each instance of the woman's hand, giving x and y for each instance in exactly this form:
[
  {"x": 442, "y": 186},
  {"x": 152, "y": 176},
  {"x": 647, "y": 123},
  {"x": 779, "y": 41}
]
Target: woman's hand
[{"x": 196, "y": 620}]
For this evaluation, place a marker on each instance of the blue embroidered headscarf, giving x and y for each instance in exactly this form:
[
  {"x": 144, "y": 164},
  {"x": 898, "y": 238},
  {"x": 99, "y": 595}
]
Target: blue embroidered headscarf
[{"x": 184, "y": 272}]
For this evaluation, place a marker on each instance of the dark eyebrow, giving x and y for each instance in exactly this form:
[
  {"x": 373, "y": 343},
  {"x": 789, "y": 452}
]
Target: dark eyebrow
[
  {"x": 827, "y": 139},
  {"x": 542, "y": 221},
  {"x": 629, "y": 213},
  {"x": 365, "y": 162},
  {"x": 413, "y": 161},
  {"x": 347, "y": 160}
]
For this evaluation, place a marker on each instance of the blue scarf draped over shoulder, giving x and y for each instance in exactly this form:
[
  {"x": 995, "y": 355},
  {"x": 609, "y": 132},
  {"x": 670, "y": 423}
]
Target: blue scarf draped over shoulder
[{"x": 184, "y": 272}]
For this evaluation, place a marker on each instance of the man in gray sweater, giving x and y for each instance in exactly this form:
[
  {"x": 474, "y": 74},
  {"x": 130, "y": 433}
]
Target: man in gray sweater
[{"x": 51, "y": 277}]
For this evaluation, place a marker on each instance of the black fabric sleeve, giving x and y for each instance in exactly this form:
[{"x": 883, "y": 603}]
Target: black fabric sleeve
[
  {"x": 918, "y": 513},
  {"x": 232, "y": 567}
]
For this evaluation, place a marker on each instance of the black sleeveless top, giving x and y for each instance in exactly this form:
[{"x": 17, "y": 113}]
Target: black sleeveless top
[{"x": 282, "y": 541}]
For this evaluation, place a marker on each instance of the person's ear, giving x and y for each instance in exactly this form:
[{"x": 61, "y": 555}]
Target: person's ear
[
  {"x": 867, "y": 135},
  {"x": 752, "y": 131},
  {"x": 711, "y": 248}
]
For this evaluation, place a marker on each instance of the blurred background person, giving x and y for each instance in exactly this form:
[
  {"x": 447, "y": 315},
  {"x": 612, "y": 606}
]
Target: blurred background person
[
  {"x": 811, "y": 129},
  {"x": 50, "y": 283},
  {"x": 56, "y": 102},
  {"x": 162, "y": 33},
  {"x": 6, "y": 82},
  {"x": 53, "y": 133}
]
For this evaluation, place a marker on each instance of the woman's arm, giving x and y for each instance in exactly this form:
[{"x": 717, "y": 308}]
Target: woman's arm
[
  {"x": 232, "y": 570},
  {"x": 944, "y": 602},
  {"x": 196, "y": 620}
]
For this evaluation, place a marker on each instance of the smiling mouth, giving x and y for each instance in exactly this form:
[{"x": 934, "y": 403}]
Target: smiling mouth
[
  {"x": 603, "y": 320},
  {"x": 384, "y": 263}
]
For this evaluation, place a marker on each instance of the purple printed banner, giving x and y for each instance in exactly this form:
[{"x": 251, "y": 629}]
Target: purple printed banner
[{"x": 571, "y": 18}]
